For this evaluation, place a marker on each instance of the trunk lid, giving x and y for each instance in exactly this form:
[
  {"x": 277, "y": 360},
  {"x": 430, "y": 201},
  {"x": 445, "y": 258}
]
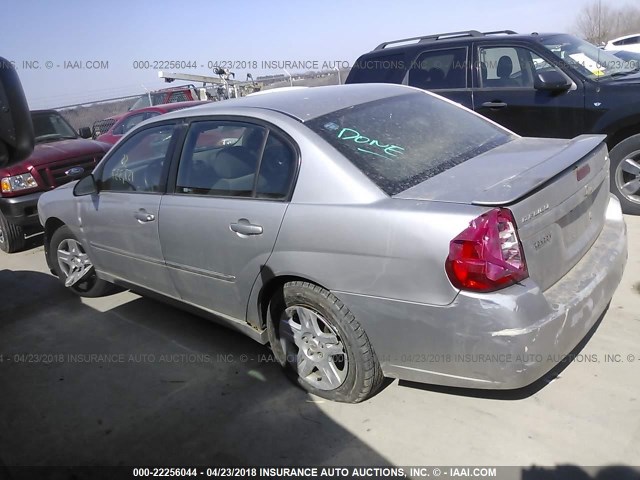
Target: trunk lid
[{"x": 557, "y": 190}]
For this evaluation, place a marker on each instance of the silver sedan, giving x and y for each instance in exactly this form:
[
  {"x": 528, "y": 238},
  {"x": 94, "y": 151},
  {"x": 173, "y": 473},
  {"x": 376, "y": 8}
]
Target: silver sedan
[{"x": 362, "y": 231}]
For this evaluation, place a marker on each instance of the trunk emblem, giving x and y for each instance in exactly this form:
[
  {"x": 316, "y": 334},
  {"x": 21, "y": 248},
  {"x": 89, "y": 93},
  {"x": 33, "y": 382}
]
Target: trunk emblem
[
  {"x": 74, "y": 172},
  {"x": 538, "y": 244},
  {"x": 535, "y": 213}
]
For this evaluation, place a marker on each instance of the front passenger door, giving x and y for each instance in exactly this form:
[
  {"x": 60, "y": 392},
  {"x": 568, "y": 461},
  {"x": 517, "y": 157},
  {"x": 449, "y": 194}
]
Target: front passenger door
[
  {"x": 504, "y": 92},
  {"x": 121, "y": 220}
]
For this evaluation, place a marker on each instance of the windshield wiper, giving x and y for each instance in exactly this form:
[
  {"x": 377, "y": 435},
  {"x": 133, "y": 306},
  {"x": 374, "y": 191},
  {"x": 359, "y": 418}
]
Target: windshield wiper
[
  {"x": 52, "y": 137},
  {"x": 624, "y": 74}
]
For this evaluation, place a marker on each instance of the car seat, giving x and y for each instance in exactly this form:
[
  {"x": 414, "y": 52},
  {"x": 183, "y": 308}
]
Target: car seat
[{"x": 235, "y": 168}]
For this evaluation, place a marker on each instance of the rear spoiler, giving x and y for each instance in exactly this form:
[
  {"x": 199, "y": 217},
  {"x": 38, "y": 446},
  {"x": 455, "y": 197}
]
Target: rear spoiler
[{"x": 513, "y": 189}]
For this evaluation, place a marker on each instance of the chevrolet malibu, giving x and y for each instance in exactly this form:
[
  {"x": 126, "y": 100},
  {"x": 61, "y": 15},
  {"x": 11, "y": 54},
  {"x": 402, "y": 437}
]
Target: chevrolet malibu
[{"x": 362, "y": 231}]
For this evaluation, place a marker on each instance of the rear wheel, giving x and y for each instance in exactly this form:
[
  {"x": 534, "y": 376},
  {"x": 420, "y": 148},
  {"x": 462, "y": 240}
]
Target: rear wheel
[
  {"x": 11, "y": 236},
  {"x": 73, "y": 266},
  {"x": 625, "y": 178},
  {"x": 321, "y": 344}
]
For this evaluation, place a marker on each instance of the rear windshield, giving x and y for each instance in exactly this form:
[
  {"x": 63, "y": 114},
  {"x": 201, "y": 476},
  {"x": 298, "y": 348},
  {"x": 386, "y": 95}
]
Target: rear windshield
[{"x": 401, "y": 141}]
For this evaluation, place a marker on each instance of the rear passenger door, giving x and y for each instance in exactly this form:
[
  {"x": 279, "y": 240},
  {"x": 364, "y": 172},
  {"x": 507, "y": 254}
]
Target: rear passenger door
[
  {"x": 445, "y": 72},
  {"x": 504, "y": 92},
  {"x": 220, "y": 218}
]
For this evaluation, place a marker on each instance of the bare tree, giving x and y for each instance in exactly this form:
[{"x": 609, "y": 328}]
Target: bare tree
[
  {"x": 598, "y": 22},
  {"x": 628, "y": 20}
]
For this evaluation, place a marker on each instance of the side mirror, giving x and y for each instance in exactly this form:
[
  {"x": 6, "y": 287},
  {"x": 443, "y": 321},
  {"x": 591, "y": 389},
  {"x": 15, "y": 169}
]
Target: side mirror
[
  {"x": 16, "y": 129},
  {"x": 552, "y": 81},
  {"x": 86, "y": 186},
  {"x": 85, "y": 132}
]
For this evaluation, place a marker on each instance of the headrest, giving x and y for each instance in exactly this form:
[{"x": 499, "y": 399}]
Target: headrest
[{"x": 505, "y": 67}]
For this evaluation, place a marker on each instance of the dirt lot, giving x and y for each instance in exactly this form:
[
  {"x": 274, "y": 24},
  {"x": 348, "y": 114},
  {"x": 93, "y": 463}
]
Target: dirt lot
[{"x": 173, "y": 389}]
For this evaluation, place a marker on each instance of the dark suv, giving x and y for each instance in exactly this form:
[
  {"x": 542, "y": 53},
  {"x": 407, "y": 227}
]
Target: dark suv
[
  {"x": 538, "y": 85},
  {"x": 60, "y": 155}
]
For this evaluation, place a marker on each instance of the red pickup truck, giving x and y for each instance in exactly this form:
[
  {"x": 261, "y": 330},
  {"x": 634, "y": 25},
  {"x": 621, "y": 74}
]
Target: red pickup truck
[{"x": 60, "y": 155}]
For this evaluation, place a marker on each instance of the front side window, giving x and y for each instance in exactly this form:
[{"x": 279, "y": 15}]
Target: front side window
[
  {"x": 439, "y": 69},
  {"x": 137, "y": 164},
  {"x": 506, "y": 67},
  {"x": 511, "y": 67},
  {"x": 404, "y": 140}
]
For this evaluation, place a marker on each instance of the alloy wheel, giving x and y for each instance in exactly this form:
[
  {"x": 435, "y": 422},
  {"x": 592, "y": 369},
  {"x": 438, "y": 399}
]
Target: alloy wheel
[
  {"x": 313, "y": 348},
  {"x": 627, "y": 177},
  {"x": 73, "y": 261}
]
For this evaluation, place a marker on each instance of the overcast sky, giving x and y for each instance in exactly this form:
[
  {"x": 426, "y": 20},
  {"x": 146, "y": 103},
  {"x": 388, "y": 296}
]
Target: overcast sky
[{"x": 204, "y": 31}]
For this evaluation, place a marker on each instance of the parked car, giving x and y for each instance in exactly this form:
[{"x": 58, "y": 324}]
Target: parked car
[
  {"x": 59, "y": 156},
  {"x": 630, "y": 59},
  {"x": 547, "y": 85},
  {"x": 166, "y": 96},
  {"x": 360, "y": 230},
  {"x": 630, "y": 43},
  {"x": 121, "y": 124}
]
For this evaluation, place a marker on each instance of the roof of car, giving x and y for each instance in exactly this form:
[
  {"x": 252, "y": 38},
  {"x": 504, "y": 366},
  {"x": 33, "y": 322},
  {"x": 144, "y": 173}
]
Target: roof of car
[
  {"x": 455, "y": 38},
  {"x": 305, "y": 103}
]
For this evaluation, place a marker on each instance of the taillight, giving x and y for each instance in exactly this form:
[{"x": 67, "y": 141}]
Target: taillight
[{"x": 487, "y": 255}]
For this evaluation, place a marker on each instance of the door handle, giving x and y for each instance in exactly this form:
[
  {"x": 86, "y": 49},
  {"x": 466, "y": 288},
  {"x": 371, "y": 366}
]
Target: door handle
[
  {"x": 494, "y": 104},
  {"x": 143, "y": 216},
  {"x": 244, "y": 227}
]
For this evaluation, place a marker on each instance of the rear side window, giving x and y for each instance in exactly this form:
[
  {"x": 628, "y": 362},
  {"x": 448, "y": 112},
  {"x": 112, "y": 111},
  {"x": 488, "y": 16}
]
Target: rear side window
[
  {"x": 439, "y": 69},
  {"x": 628, "y": 41},
  {"x": 276, "y": 169},
  {"x": 401, "y": 141},
  {"x": 379, "y": 69},
  {"x": 221, "y": 158}
]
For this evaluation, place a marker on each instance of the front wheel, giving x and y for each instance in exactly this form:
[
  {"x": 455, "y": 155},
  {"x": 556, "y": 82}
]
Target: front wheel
[
  {"x": 625, "y": 174},
  {"x": 321, "y": 344},
  {"x": 73, "y": 266},
  {"x": 11, "y": 236}
]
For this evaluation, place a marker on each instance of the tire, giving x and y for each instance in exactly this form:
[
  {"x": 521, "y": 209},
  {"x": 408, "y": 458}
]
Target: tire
[
  {"x": 11, "y": 236},
  {"x": 321, "y": 345},
  {"x": 89, "y": 285},
  {"x": 625, "y": 170}
]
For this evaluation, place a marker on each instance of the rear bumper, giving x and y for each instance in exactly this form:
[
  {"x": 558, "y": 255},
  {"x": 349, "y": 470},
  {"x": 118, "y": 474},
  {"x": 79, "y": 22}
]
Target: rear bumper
[
  {"x": 502, "y": 340},
  {"x": 21, "y": 210}
]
